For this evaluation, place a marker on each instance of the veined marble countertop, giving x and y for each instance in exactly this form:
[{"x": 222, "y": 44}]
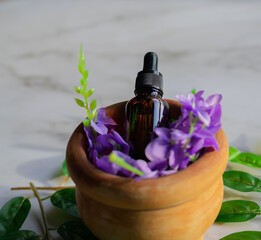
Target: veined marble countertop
[{"x": 210, "y": 45}]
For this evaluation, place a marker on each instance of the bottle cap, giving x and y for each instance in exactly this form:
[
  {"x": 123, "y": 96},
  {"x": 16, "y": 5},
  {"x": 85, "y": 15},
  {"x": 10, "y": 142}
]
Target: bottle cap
[{"x": 149, "y": 77}]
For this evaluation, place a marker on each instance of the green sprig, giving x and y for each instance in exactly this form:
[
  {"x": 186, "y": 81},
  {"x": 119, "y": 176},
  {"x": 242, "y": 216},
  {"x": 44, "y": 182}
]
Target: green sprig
[
  {"x": 113, "y": 157},
  {"x": 82, "y": 90}
]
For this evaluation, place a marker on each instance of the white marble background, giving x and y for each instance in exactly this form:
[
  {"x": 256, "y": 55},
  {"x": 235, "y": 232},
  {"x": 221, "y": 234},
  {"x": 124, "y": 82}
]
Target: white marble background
[{"x": 210, "y": 45}]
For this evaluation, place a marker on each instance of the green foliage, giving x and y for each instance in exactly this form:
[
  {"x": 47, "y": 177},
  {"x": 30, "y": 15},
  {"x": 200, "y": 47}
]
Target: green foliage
[
  {"x": 77, "y": 89},
  {"x": 246, "y": 235},
  {"x": 64, "y": 168},
  {"x": 247, "y": 159},
  {"x": 65, "y": 200},
  {"x": 193, "y": 91},
  {"x": 90, "y": 109},
  {"x": 86, "y": 122},
  {"x": 21, "y": 235},
  {"x": 238, "y": 211},
  {"x": 13, "y": 214},
  {"x": 79, "y": 102},
  {"x": 75, "y": 230},
  {"x": 242, "y": 181},
  {"x": 93, "y": 105},
  {"x": 90, "y": 92},
  {"x": 233, "y": 152}
]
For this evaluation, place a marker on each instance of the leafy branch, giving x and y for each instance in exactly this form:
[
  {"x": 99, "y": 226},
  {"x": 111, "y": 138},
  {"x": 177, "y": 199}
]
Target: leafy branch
[
  {"x": 241, "y": 210},
  {"x": 16, "y": 210},
  {"x": 90, "y": 108}
]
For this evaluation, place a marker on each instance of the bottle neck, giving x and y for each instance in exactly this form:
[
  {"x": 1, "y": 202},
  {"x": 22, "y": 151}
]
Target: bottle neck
[{"x": 148, "y": 91}]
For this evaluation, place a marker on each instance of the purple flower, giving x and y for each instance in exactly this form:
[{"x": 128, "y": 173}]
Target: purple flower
[
  {"x": 106, "y": 165},
  {"x": 164, "y": 151},
  {"x": 175, "y": 147},
  {"x": 106, "y": 143},
  {"x": 104, "y": 123},
  {"x": 198, "y": 106},
  {"x": 182, "y": 143}
]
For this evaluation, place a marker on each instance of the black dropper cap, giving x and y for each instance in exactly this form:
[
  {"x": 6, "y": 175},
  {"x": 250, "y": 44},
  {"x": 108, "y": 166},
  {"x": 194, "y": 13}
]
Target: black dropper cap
[{"x": 149, "y": 77}]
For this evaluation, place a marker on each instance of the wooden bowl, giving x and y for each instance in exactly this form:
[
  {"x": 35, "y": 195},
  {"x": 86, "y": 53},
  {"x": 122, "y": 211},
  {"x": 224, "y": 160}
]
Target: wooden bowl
[{"x": 181, "y": 206}]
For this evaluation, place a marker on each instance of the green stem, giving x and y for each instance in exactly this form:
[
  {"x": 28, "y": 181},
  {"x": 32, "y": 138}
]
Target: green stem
[
  {"x": 120, "y": 161},
  {"x": 47, "y": 235},
  {"x": 192, "y": 123},
  {"x": 87, "y": 107},
  {"x": 43, "y": 199}
]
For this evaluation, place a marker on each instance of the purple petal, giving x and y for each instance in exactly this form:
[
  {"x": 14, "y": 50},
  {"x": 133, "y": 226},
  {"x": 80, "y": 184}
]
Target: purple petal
[
  {"x": 99, "y": 127},
  {"x": 211, "y": 142},
  {"x": 163, "y": 133},
  {"x": 167, "y": 172},
  {"x": 122, "y": 145},
  {"x": 214, "y": 99},
  {"x": 158, "y": 165},
  {"x": 204, "y": 117},
  {"x": 156, "y": 150},
  {"x": 102, "y": 118},
  {"x": 199, "y": 94},
  {"x": 143, "y": 166},
  {"x": 179, "y": 135},
  {"x": 153, "y": 174},
  {"x": 197, "y": 144}
]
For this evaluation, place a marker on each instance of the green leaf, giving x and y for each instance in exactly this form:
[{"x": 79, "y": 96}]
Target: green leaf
[
  {"x": 238, "y": 211},
  {"x": 81, "y": 55},
  {"x": 248, "y": 159},
  {"x": 242, "y": 181},
  {"x": 82, "y": 92},
  {"x": 233, "y": 152},
  {"x": 13, "y": 214},
  {"x": 246, "y": 235},
  {"x": 65, "y": 170},
  {"x": 21, "y": 235},
  {"x": 81, "y": 68},
  {"x": 93, "y": 104},
  {"x": 90, "y": 92},
  {"x": 193, "y": 91},
  {"x": 77, "y": 89},
  {"x": 82, "y": 82},
  {"x": 86, "y": 122},
  {"x": 65, "y": 200},
  {"x": 81, "y": 64},
  {"x": 75, "y": 230},
  {"x": 93, "y": 114},
  {"x": 79, "y": 102},
  {"x": 85, "y": 74}
]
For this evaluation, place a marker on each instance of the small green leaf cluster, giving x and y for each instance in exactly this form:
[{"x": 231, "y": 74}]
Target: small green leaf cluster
[
  {"x": 65, "y": 200},
  {"x": 241, "y": 210},
  {"x": 64, "y": 168},
  {"x": 247, "y": 159},
  {"x": 16, "y": 210},
  {"x": 91, "y": 108},
  {"x": 12, "y": 217},
  {"x": 245, "y": 235}
]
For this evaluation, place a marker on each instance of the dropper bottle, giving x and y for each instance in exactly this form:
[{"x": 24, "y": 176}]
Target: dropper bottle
[{"x": 147, "y": 110}]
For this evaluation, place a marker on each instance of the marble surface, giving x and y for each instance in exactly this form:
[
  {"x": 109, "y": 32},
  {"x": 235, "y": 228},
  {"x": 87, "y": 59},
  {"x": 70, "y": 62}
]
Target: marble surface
[{"x": 210, "y": 45}]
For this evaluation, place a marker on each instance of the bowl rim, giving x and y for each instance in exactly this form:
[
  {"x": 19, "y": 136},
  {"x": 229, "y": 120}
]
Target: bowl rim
[{"x": 127, "y": 193}]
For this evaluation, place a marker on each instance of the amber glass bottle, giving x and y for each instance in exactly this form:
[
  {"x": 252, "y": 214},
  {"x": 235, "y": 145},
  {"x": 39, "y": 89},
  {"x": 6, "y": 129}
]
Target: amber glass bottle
[{"x": 147, "y": 109}]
